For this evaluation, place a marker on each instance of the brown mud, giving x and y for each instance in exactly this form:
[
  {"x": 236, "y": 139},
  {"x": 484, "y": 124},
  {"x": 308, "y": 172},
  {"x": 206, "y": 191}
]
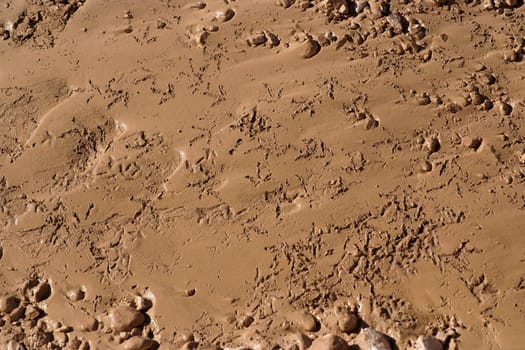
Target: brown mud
[{"x": 260, "y": 174}]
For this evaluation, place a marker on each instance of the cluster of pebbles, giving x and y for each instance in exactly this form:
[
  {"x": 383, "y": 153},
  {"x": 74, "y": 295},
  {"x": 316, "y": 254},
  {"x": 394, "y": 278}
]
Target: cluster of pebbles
[
  {"x": 25, "y": 324},
  {"x": 340, "y": 328}
]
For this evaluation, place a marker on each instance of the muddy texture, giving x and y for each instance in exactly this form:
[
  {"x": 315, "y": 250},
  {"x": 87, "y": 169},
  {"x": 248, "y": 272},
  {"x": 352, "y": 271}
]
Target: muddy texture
[{"x": 321, "y": 174}]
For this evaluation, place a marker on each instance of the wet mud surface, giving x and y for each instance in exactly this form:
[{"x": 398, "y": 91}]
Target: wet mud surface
[{"x": 262, "y": 174}]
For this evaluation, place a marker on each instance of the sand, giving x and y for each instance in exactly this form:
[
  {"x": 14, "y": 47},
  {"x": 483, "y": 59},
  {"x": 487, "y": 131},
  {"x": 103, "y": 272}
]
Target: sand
[{"x": 261, "y": 174}]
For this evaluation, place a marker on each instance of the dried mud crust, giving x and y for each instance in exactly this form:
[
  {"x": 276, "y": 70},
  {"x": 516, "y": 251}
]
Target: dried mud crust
[
  {"x": 38, "y": 22},
  {"x": 327, "y": 210}
]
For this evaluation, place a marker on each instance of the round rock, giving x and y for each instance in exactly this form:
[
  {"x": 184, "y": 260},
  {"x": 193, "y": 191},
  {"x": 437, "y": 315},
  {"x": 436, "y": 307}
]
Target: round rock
[
  {"x": 503, "y": 108},
  {"x": 285, "y": 3},
  {"x": 225, "y": 16},
  {"x": 376, "y": 340},
  {"x": 347, "y": 321},
  {"x": 310, "y": 48},
  {"x": 125, "y": 318},
  {"x": 142, "y": 304},
  {"x": 8, "y": 304},
  {"x": 307, "y": 321},
  {"x": 136, "y": 343},
  {"x": 329, "y": 342},
  {"x": 76, "y": 295},
  {"x": 256, "y": 38},
  {"x": 428, "y": 343},
  {"x": 42, "y": 292}
]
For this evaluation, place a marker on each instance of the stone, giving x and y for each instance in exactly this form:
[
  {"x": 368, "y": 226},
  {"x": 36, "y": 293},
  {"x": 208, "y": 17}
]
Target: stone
[
  {"x": 329, "y": 342},
  {"x": 285, "y": 3},
  {"x": 76, "y": 295},
  {"x": 199, "y": 5},
  {"x": 503, "y": 108},
  {"x": 428, "y": 343},
  {"x": 347, "y": 321},
  {"x": 42, "y": 292},
  {"x": 307, "y": 321},
  {"x": 247, "y": 321},
  {"x": 272, "y": 39},
  {"x": 125, "y": 318},
  {"x": 423, "y": 100},
  {"x": 256, "y": 38},
  {"x": 8, "y": 304},
  {"x": 32, "y": 312},
  {"x": 225, "y": 16},
  {"x": 376, "y": 340},
  {"x": 310, "y": 48},
  {"x": 14, "y": 345},
  {"x": 136, "y": 343},
  {"x": 17, "y": 314}
]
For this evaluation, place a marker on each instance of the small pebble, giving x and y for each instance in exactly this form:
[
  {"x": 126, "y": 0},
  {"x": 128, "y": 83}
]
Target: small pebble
[
  {"x": 428, "y": 343},
  {"x": 142, "y": 304},
  {"x": 211, "y": 29},
  {"x": 225, "y": 16},
  {"x": 486, "y": 105},
  {"x": 329, "y": 342},
  {"x": 476, "y": 98},
  {"x": 61, "y": 338},
  {"x": 199, "y": 5},
  {"x": 125, "y": 318},
  {"x": 8, "y": 304},
  {"x": 42, "y": 292},
  {"x": 347, "y": 321},
  {"x": 310, "y": 48},
  {"x": 76, "y": 295},
  {"x": 503, "y": 108},
  {"x": 453, "y": 107},
  {"x": 136, "y": 343},
  {"x": 424, "y": 100},
  {"x": 376, "y": 340},
  {"x": 256, "y": 38},
  {"x": 432, "y": 145},
  {"x": 307, "y": 321},
  {"x": 478, "y": 67},
  {"x": 247, "y": 321},
  {"x": 425, "y": 167},
  {"x": 90, "y": 325},
  {"x": 32, "y": 312},
  {"x": 17, "y": 313},
  {"x": 300, "y": 341},
  {"x": 14, "y": 345},
  {"x": 272, "y": 39},
  {"x": 285, "y": 3},
  {"x": 472, "y": 142},
  {"x": 191, "y": 345}
]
